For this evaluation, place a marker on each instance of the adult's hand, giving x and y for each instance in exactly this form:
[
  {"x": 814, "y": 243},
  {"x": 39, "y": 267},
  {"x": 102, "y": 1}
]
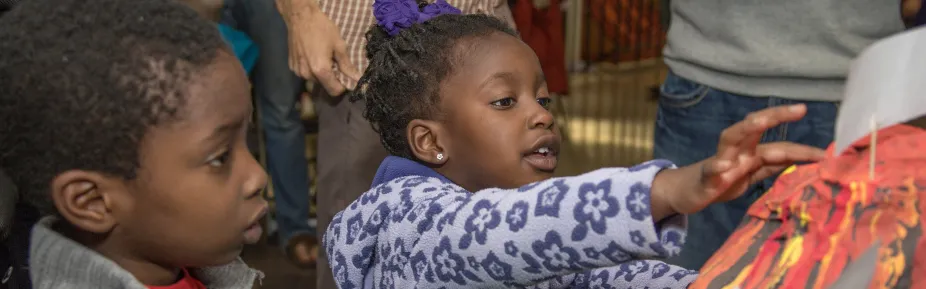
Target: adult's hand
[{"x": 316, "y": 49}]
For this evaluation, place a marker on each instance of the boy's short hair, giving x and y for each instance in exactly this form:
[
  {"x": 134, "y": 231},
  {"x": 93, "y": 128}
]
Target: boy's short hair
[{"x": 82, "y": 80}]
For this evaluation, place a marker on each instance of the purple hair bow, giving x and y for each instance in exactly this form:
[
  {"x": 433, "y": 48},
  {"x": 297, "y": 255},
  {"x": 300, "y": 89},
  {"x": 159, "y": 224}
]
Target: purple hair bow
[{"x": 395, "y": 15}]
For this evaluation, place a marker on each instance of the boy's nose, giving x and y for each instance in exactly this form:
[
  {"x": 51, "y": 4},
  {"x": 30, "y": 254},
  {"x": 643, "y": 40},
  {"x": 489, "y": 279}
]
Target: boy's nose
[{"x": 256, "y": 179}]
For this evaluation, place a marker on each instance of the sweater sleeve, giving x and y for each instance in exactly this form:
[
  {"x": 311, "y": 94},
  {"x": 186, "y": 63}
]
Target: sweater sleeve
[
  {"x": 552, "y": 228},
  {"x": 631, "y": 274}
]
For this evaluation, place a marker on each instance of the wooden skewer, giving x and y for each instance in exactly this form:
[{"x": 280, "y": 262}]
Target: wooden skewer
[{"x": 873, "y": 150}]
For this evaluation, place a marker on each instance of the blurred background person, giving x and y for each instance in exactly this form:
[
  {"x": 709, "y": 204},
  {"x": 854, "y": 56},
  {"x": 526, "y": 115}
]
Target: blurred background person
[{"x": 729, "y": 58}]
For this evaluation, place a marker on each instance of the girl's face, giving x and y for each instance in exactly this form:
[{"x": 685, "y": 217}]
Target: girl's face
[{"x": 496, "y": 129}]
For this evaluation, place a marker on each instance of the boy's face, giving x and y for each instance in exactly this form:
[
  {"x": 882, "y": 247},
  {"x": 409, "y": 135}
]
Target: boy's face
[
  {"x": 198, "y": 190},
  {"x": 196, "y": 197},
  {"x": 498, "y": 121}
]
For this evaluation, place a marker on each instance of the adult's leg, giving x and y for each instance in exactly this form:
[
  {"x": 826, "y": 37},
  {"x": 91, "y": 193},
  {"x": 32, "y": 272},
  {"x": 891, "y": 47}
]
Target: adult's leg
[
  {"x": 349, "y": 152},
  {"x": 277, "y": 89},
  {"x": 689, "y": 121}
]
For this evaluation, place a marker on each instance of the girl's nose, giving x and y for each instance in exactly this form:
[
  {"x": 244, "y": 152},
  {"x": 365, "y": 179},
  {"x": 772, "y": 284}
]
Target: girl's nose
[{"x": 541, "y": 118}]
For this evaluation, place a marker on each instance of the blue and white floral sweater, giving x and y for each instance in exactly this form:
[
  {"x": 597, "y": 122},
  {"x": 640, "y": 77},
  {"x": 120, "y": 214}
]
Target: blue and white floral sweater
[{"x": 417, "y": 229}]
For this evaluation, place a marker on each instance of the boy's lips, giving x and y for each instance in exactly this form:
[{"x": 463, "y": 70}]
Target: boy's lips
[
  {"x": 254, "y": 231},
  {"x": 543, "y": 154}
]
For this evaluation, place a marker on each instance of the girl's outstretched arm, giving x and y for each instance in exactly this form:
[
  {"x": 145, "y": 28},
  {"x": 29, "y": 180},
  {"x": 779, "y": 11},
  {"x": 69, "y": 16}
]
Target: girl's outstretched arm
[
  {"x": 495, "y": 237},
  {"x": 631, "y": 274}
]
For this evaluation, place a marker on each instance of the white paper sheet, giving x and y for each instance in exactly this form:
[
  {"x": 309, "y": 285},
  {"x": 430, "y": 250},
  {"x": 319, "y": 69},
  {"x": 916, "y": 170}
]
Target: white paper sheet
[{"x": 887, "y": 82}]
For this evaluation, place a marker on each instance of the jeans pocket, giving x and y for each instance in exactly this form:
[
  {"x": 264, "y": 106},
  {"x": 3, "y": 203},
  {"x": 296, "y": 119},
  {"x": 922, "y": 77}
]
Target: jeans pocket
[{"x": 680, "y": 92}]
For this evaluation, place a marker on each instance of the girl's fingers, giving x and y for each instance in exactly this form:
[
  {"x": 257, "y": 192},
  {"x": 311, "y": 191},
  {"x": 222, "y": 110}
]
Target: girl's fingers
[
  {"x": 760, "y": 121},
  {"x": 769, "y": 160},
  {"x": 785, "y": 153},
  {"x": 741, "y": 170},
  {"x": 745, "y": 134},
  {"x": 715, "y": 167}
]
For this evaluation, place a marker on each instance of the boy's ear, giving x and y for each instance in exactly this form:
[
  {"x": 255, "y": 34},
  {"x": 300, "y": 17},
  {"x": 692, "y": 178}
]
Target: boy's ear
[
  {"x": 85, "y": 199},
  {"x": 424, "y": 141}
]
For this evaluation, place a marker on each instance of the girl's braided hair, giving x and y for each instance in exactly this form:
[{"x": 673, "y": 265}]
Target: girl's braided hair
[{"x": 402, "y": 81}]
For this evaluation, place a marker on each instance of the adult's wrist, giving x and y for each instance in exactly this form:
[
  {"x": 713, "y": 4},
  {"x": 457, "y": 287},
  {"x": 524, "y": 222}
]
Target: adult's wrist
[{"x": 297, "y": 10}]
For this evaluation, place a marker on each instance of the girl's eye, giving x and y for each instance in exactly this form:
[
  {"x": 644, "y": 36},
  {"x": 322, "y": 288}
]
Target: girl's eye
[
  {"x": 504, "y": 102},
  {"x": 545, "y": 102},
  {"x": 220, "y": 160}
]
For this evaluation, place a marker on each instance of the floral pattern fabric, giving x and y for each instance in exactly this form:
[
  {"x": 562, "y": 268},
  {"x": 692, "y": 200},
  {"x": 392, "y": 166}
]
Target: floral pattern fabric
[{"x": 590, "y": 231}]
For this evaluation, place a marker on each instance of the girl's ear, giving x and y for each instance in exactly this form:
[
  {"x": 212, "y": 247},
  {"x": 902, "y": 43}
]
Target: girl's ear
[{"x": 424, "y": 140}]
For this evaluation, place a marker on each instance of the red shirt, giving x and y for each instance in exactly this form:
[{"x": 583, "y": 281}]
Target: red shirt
[{"x": 187, "y": 282}]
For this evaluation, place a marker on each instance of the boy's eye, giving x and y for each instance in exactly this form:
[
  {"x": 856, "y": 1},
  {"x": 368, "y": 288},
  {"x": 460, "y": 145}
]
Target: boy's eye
[
  {"x": 545, "y": 102},
  {"x": 219, "y": 160},
  {"x": 504, "y": 102}
]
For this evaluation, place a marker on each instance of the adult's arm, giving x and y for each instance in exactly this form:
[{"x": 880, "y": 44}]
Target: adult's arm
[{"x": 315, "y": 45}]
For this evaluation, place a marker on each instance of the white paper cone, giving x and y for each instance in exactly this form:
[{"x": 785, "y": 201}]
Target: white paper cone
[{"x": 887, "y": 82}]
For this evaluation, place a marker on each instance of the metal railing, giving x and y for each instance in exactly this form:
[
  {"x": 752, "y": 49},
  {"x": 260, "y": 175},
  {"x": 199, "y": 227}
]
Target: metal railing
[{"x": 614, "y": 53}]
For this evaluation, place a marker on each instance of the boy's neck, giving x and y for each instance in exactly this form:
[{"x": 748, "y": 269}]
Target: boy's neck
[{"x": 145, "y": 271}]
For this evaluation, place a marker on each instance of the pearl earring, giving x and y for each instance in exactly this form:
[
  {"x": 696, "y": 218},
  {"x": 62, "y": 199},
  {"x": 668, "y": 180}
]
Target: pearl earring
[{"x": 440, "y": 156}]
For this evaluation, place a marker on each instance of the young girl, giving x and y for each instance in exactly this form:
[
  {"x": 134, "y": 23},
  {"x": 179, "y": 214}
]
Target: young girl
[{"x": 467, "y": 198}]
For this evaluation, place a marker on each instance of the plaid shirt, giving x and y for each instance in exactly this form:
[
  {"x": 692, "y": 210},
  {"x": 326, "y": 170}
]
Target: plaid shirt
[{"x": 355, "y": 17}]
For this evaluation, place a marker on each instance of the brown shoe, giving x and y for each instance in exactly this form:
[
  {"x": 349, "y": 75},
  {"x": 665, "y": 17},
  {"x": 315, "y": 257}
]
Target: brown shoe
[{"x": 302, "y": 251}]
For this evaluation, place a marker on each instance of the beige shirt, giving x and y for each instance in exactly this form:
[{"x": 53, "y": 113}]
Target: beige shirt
[{"x": 355, "y": 17}]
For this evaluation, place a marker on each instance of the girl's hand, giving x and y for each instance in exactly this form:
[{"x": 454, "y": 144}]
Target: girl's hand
[{"x": 739, "y": 162}]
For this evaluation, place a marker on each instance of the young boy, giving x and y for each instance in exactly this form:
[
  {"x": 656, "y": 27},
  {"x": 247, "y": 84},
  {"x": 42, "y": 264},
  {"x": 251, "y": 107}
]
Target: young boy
[{"x": 127, "y": 128}]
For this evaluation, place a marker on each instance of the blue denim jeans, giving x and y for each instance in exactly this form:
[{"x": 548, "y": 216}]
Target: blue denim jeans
[
  {"x": 690, "y": 119},
  {"x": 277, "y": 90}
]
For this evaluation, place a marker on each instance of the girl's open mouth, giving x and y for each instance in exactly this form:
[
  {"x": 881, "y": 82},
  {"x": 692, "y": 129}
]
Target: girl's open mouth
[{"x": 542, "y": 159}]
